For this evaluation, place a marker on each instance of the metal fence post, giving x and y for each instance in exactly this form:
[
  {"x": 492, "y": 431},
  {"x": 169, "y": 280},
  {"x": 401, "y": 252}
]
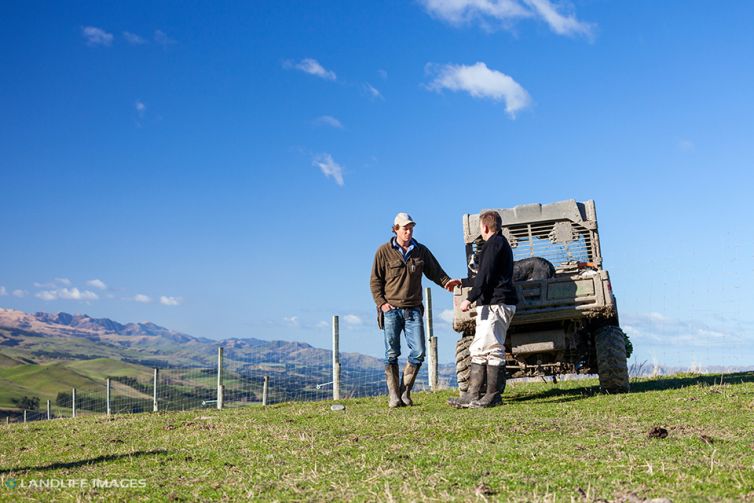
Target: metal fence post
[
  {"x": 49, "y": 416},
  {"x": 107, "y": 396},
  {"x": 335, "y": 358},
  {"x": 154, "y": 393},
  {"x": 73, "y": 403},
  {"x": 432, "y": 365},
  {"x": 220, "y": 385},
  {"x": 24, "y": 415},
  {"x": 265, "y": 390}
]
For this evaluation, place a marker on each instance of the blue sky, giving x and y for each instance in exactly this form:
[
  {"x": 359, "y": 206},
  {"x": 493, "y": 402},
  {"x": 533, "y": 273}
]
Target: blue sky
[{"x": 228, "y": 169}]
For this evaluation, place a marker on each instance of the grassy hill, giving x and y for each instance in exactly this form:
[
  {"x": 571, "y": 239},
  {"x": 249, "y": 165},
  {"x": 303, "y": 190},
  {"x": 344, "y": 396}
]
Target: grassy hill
[
  {"x": 46, "y": 380},
  {"x": 561, "y": 442}
]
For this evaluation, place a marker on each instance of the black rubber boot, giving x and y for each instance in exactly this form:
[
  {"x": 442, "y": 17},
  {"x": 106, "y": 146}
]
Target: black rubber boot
[
  {"x": 393, "y": 385},
  {"x": 492, "y": 396},
  {"x": 476, "y": 378},
  {"x": 410, "y": 371}
]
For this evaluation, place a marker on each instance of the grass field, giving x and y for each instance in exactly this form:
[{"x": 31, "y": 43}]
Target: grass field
[{"x": 561, "y": 442}]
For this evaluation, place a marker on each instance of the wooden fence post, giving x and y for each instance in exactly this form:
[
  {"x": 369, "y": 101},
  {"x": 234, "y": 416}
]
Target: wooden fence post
[
  {"x": 154, "y": 392},
  {"x": 220, "y": 385},
  {"x": 432, "y": 365},
  {"x": 335, "y": 358},
  {"x": 265, "y": 390}
]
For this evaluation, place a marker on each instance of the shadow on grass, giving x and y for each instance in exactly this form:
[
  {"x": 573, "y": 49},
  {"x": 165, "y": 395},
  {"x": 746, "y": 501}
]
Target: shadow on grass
[
  {"x": 83, "y": 462},
  {"x": 645, "y": 384}
]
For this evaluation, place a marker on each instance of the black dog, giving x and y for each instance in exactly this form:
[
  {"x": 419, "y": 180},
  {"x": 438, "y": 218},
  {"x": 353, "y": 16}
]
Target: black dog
[{"x": 532, "y": 268}]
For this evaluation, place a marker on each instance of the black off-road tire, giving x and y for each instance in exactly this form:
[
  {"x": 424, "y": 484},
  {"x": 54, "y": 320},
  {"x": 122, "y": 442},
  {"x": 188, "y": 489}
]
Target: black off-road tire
[
  {"x": 612, "y": 367},
  {"x": 463, "y": 362}
]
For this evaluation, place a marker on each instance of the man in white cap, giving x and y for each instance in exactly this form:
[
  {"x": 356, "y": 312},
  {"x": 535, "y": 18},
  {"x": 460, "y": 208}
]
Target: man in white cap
[{"x": 396, "y": 285}]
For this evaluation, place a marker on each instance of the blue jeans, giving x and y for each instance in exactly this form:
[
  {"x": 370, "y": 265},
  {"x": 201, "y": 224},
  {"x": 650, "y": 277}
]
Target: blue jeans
[{"x": 411, "y": 323}]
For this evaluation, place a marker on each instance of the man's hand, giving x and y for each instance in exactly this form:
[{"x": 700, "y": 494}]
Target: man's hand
[
  {"x": 450, "y": 285},
  {"x": 465, "y": 306},
  {"x": 386, "y": 307}
]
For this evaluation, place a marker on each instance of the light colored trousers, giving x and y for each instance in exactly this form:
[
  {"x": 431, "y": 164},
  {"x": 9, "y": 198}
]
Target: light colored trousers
[{"x": 492, "y": 322}]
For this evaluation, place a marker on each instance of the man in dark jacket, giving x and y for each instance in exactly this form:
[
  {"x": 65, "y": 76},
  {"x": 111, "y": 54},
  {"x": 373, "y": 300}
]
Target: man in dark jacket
[
  {"x": 496, "y": 301},
  {"x": 396, "y": 284}
]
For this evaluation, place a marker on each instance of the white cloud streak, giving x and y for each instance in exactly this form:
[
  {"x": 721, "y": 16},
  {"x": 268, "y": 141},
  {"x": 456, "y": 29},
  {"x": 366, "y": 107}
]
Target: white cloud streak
[
  {"x": 447, "y": 316},
  {"x": 373, "y": 92},
  {"x": 291, "y": 321},
  {"x": 133, "y": 38},
  {"x": 328, "y": 120},
  {"x": 96, "y": 36},
  {"x": 3, "y": 291},
  {"x": 480, "y": 82},
  {"x": 312, "y": 67},
  {"x": 19, "y": 293},
  {"x": 97, "y": 283},
  {"x": 140, "y": 297},
  {"x": 352, "y": 320},
  {"x": 656, "y": 328},
  {"x": 329, "y": 167},
  {"x": 505, "y": 13},
  {"x": 161, "y": 38},
  {"x": 170, "y": 301},
  {"x": 67, "y": 294}
]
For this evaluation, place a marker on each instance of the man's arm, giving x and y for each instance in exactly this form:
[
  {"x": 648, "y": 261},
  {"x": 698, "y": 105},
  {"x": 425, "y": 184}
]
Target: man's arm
[
  {"x": 377, "y": 280},
  {"x": 433, "y": 270},
  {"x": 484, "y": 277}
]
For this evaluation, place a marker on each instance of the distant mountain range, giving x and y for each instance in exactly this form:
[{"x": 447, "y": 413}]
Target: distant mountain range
[{"x": 43, "y": 337}]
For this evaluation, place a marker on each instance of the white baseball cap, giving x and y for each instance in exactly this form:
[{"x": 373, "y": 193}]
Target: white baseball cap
[{"x": 403, "y": 219}]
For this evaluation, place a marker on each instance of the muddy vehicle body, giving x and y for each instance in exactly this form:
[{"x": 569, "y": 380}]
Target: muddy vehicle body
[{"x": 564, "y": 324}]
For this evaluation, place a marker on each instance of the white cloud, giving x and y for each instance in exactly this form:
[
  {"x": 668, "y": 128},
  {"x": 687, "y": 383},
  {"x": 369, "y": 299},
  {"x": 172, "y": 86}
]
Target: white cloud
[
  {"x": 686, "y": 145},
  {"x": 67, "y": 294},
  {"x": 328, "y": 120},
  {"x": 96, "y": 36},
  {"x": 19, "y": 293},
  {"x": 353, "y": 320},
  {"x": 140, "y": 297},
  {"x": 3, "y": 291},
  {"x": 170, "y": 301},
  {"x": 97, "y": 283},
  {"x": 656, "y": 328},
  {"x": 481, "y": 82},
  {"x": 504, "y": 14},
  {"x": 162, "y": 39},
  {"x": 312, "y": 67},
  {"x": 53, "y": 284},
  {"x": 133, "y": 38},
  {"x": 560, "y": 23},
  {"x": 140, "y": 107},
  {"x": 447, "y": 316},
  {"x": 372, "y": 91},
  {"x": 291, "y": 320},
  {"x": 382, "y": 73},
  {"x": 329, "y": 167}
]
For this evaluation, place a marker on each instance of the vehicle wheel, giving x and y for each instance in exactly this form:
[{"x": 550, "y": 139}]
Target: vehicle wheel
[
  {"x": 463, "y": 362},
  {"x": 612, "y": 366}
]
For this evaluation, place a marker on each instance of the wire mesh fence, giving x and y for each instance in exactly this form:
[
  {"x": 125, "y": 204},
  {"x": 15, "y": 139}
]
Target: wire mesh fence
[{"x": 246, "y": 380}]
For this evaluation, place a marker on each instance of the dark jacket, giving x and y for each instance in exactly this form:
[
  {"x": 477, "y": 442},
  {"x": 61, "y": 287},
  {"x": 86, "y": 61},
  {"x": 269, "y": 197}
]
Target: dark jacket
[
  {"x": 399, "y": 281},
  {"x": 494, "y": 281}
]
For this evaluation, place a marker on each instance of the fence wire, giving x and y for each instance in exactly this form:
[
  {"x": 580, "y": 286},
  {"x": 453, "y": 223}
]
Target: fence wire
[{"x": 243, "y": 379}]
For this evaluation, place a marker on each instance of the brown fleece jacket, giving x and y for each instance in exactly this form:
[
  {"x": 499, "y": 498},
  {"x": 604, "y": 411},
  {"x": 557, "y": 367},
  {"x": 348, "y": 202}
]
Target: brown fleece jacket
[{"x": 399, "y": 282}]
